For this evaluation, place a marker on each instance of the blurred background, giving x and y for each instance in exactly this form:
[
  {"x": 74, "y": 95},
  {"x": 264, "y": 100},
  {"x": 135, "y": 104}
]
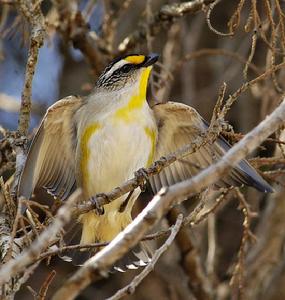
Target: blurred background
[{"x": 231, "y": 41}]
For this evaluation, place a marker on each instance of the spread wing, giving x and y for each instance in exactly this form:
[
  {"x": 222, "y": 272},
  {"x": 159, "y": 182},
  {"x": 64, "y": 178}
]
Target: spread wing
[
  {"x": 179, "y": 125},
  {"x": 50, "y": 160}
]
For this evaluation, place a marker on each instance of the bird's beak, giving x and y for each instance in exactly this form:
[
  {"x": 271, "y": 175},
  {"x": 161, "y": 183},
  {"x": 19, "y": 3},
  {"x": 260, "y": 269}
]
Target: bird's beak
[{"x": 150, "y": 60}]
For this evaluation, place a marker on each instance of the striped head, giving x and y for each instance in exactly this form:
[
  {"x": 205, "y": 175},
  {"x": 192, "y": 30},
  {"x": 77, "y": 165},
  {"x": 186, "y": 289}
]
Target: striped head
[{"x": 126, "y": 71}]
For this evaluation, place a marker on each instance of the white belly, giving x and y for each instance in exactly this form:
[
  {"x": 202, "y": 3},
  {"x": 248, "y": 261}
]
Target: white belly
[{"x": 116, "y": 152}]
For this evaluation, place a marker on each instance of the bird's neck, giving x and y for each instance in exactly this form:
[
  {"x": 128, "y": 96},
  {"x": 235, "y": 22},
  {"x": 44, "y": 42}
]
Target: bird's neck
[{"x": 134, "y": 98}]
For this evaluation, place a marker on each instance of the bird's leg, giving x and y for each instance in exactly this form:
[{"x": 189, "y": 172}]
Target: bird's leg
[
  {"x": 125, "y": 203},
  {"x": 141, "y": 176},
  {"x": 98, "y": 208}
]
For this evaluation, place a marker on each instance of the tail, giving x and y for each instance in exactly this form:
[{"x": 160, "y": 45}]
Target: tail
[
  {"x": 104, "y": 228},
  {"x": 137, "y": 257}
]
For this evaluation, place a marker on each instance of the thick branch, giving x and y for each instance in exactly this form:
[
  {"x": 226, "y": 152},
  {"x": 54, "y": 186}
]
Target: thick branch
[
  {"x": 190, "y": 261},
  {"x": 32, "y": 11},
  {"x": 162, "y": 202},
  {"x": 265, "y": 261},
  {"x": 73, "y": 27}
]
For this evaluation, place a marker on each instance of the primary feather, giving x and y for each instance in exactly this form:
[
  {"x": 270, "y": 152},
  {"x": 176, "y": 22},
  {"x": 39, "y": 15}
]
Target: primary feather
[
  {"x": 50, "y": 160},
  {"x": 179, "y": 125}
]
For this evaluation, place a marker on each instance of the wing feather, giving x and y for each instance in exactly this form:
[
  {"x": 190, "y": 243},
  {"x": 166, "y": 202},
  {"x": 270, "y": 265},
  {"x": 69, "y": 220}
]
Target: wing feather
[
  {"x": 50, "y": 160},
  {"x": 179, "y": 125}
]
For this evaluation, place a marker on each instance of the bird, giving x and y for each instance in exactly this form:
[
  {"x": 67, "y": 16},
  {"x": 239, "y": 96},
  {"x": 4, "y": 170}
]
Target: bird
[{"x": 99, "y": 141}]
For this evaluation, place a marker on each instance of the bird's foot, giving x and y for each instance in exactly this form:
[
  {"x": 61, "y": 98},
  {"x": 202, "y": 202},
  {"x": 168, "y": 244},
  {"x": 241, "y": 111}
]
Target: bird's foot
[
  {"x": 159, "y": 164},
  {"x": 141, "y": 176},
  {"x": 227, "y": 127},
  {"x": 98, "y": 207}
]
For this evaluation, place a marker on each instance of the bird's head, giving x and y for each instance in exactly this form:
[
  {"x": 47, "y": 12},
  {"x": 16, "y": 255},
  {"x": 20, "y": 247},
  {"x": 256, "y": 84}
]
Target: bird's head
[{"x": 126, "y": 72}]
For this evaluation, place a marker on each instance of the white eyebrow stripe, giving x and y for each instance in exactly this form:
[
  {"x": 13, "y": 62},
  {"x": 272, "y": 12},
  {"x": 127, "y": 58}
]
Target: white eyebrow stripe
[{"x": 115, "y": 67}]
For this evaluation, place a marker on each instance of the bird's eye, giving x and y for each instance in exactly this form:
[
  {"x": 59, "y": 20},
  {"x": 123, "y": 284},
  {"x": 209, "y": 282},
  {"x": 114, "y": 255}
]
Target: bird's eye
[{"x": 126, "y": 68}]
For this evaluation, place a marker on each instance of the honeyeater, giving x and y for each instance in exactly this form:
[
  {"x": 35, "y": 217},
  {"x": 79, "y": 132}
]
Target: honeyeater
[{"x": 98, "y": 142}]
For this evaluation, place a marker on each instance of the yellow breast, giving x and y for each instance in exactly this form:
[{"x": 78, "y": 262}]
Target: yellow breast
[
  {"x": 86, "y": 151},
  {"x": 136, "y": 102},
  {"x": 152, "y": 135}
]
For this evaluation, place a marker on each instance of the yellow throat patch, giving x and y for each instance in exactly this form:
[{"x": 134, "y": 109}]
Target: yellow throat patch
[{"x": 137, "y": 100}]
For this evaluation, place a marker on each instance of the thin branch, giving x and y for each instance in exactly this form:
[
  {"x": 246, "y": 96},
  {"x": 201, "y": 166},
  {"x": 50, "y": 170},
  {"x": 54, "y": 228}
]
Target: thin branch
[
  {"x": 190, "y": 260},
  {"x": 216, "y": 52},
  {"x": 238, "y": 277},
  {"x": 208, "y": 19},
  {"x": 34, "y": 15},
  {"x": 44, "y": 288},
  {"x": 32, "y": 12},
  {"x": 29, "y": 255},
  {"x": 130, "y": 288},
  {"x": 167, "y": 15}
]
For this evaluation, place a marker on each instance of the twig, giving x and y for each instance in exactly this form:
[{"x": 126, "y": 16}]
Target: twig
[
  {"x": 30, "y": 255},
  {"x": 43, "y": 290},
  {"x": 199, "y": 219},
  {"x": 166, "y": 16},
  {"x": 212, "y": 246},
  {"x": 216, "y": 52},
  {"x": 251, "y": 54},
  {"x": 190, "y": 260},
  {"x": 237, "y": 279},
  {"x": 11, "y": 104},
  {"x": 208, "y": 19},
  {"x": 96, "y": 266},
  {"x": 130, "y": 288},
  {"x": 72, "y": 25}
]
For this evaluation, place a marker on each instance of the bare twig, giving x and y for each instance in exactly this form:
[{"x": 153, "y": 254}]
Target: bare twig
[
  {"x": 237, "y": 280},
  {"x": 45, "y": 286},
  {"x": 130, "y": 288},
  {"x": 166, "y": 16},
  {"x": 208, "y": 19},
  {"x": 31, "y": 254},
  {"x": 216, "y": 52}
]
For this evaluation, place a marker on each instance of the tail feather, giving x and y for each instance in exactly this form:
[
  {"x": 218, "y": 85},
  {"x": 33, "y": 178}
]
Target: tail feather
[
  {"x": 79, "y": 257},
  {"x": 136, "y": 258},
  {"x": 139, "y": 256},
  {"x": 84, "y": 232}
]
